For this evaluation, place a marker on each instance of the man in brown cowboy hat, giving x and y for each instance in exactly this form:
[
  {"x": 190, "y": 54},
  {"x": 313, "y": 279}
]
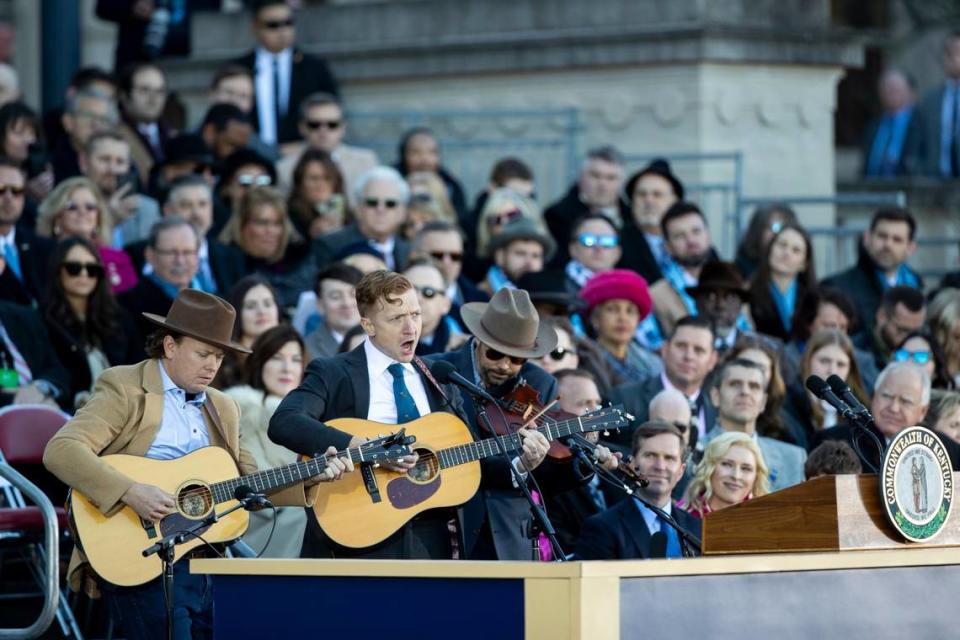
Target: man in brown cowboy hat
[
  {"x": 161, "y": 408},
  {"x": 507, "y": 333}
]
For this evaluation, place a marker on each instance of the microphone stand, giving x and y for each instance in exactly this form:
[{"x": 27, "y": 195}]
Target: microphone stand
[
  {"x": 689, "y": 543},
  {"x": 166, "y": 549}
]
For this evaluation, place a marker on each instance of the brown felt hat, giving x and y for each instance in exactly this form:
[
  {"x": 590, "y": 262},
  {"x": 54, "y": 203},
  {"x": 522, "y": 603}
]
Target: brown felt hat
[
  {"x": 202, "y": 316},
  {"x": 510, "y": 324}
]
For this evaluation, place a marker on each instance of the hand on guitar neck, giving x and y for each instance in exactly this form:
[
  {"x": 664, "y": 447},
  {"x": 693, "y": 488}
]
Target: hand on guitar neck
[
  {"x": 402, "y": 465},
  {"x": 535, "y": 447},
  {"x": 334, "y": 470}
]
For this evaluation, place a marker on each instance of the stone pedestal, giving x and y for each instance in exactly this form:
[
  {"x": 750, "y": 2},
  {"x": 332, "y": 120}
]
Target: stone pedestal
[{"x": 755, "y": 77}]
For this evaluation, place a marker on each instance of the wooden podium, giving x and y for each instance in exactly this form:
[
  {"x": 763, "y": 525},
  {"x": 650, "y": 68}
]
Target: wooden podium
[{"x": 829, "y": 513}]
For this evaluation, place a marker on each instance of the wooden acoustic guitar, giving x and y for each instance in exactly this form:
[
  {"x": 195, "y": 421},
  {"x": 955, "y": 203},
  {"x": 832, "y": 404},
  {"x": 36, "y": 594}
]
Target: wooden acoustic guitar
[
  {"x": 366, "y": 507},
  {"x": 200, "y": 482}
]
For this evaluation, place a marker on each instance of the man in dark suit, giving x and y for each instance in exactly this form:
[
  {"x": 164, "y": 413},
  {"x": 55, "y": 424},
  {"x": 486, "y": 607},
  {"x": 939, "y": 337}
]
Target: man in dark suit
[
  {"x": 625, "y": 532},
  {"x": 219, "y": 266},
  {"x": 382, "y": 201},
  {"x": 507, "y": 333},
  {"x": 280, "y": 68},
  {"x": 882, "y": 263},
  {"x": 900, "y": 400},
  {"x": 23, "y": 255},
  {"x": 651, "y": 191},
  {"x": 171, "y": 256},
  {"x": 886, "y": 134},
  {"x": 380, "y": 381},
  {"x": 25, "y": 349},
  {"x": 932, "y": 147},
  {"x": 597, "y": 190},
  {"x": 688, "y": 358}
]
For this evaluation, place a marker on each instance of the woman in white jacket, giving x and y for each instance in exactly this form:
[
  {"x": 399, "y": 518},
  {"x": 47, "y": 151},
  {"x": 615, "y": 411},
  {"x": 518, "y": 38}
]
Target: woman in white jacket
[{"x": 274, "y": 369}]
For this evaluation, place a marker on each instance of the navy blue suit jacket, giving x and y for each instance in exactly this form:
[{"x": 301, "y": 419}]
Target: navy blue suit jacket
[{"x": 620, "y": 533}]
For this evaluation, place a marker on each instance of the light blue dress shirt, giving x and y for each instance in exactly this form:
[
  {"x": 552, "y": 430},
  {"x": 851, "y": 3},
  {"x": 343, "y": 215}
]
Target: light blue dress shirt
[{"x": 182, "y": 428}]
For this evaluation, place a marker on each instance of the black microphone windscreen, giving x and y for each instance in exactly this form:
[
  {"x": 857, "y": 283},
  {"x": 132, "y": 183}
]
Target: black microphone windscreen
[
  {"x": 658, "y": 545},
  {"x": 242, "y": 492},
  {"x": 817, "y": 385},
  {"x": 441, "y": 370},
  {"x": 838, "y": 384}
]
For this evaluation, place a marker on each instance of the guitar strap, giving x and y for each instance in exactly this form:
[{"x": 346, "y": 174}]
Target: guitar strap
[{"x": 425, "y": 370}]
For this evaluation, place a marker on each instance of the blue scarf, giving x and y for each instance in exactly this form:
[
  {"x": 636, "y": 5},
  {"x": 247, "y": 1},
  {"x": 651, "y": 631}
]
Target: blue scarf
[
  {"x": 498, "y": 279},
  {"x": 786, "y": 302},
  {"x": 905, "y": 278},
  {"x": 170, "y": 290}
]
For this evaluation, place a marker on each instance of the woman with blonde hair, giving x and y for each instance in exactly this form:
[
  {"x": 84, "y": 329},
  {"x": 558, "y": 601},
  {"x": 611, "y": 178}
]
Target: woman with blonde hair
[
  {"x": 828, "y": 352},
  {"x": 262, "y": 230},
  {"x": 504, "y": 206},
  {"x": 732, "y": 471},
  {"x": 944, "y": 319},
  {"x": 76, "y": 209}
]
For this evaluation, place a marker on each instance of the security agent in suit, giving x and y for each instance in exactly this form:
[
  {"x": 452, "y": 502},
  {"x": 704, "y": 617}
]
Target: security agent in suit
[
  {"x": 24, "y": 254},
  {"x": 507, "y": 332},
  {"x": 26, "y": 331},
  {"x": 300, "y": 74},
  {"x": 365, "y": 383},
  {"x": 932, "y": 147},
  {"x": 163, "y": 409},
  {"x": 738, "y": 393},
  {"x": 625, "y": 531}
]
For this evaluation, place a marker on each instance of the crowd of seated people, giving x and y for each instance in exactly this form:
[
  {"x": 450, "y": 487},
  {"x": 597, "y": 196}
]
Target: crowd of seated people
[{"x": 279, "y": 215}]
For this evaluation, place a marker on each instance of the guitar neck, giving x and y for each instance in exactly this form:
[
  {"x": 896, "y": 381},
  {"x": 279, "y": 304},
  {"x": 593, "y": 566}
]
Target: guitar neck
[
  {"x": 279, "y": 477},
  {"x": 473, "y": 451}
]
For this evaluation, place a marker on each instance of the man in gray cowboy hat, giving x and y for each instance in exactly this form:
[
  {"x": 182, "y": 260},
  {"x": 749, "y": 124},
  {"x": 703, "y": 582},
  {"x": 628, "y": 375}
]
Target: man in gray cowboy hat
[
  {"x": 507, "y": 332},
  {"x": 522, "y": 247},
  {"x": 161, "y": 408}
]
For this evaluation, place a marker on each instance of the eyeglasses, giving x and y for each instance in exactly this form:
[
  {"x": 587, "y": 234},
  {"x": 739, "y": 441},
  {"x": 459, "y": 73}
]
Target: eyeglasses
[
  {"x": 313, "y": 125},
  {"x": 454, "y": 256},
  {"x": 73, "y": 269},
  {"x": 593, "y": 240},
  {"x": 89, "y": 207},
  {"x": 560, "y": 353},
  {"x": 12, "y": 190},
  {"x": 494, "y": 355},
  {"x": 504, "y": 218},
  {"x": 919, "y": 357},
  {"x": 173, "y": 253},
  {"x": 422, "y": 198},
  {"x": 278, "y": 24},
  {"x": 373, "y": 203},
  {"x": 246, "y": 180},
  {"x": 429, "y": 292}
]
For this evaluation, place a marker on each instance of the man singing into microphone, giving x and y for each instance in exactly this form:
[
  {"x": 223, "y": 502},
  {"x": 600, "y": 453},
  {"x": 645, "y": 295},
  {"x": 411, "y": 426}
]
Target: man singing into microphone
[
  {"x": 507, "y": 333},
  {"x": 381, "y": 381}
]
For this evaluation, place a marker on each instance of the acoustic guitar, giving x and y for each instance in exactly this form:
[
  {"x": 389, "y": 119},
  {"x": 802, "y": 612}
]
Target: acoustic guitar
[
  {"x": 366, "y": 507},
  {"x": 200, "y": 482}
]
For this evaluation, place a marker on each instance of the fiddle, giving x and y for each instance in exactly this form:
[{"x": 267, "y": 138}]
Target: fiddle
[{"x": 521, "y": 405}]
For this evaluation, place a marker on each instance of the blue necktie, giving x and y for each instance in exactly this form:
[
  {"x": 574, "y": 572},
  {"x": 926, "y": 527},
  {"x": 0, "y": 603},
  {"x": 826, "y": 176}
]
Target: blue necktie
[
  {"x": 673, "y": 540},
  {"x": 13, "y": 259},
  {"x": 406, "y": 407},
  {"x": 205, "y": 275}
]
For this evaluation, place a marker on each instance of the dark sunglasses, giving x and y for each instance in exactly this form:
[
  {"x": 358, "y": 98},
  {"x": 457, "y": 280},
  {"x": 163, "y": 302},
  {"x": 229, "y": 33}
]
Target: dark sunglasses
[
  {"x": 504, "y": 218},
  {"x": 313, "y": 125},
  {"x": 594, "y": 240},
  {"x": 429, "y": 292},
  {"x": 493, "y": 354},
  {"x": 373, "y": 203},
  {"x": 441, "y": 255},
  {"x": 73, "y": 269},
  {"x": 9, "y": 188},
  {"x": 919, "y": 357},
  {"x": 559, "y": 353},
  {"x": 278, "y": 24}
]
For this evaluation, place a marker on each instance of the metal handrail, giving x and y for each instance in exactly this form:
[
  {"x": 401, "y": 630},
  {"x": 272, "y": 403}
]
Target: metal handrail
[{"x": 51, "y": 588}]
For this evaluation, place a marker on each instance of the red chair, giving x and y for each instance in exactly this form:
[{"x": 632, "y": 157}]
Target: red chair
[{"x": 25, "y": 431}]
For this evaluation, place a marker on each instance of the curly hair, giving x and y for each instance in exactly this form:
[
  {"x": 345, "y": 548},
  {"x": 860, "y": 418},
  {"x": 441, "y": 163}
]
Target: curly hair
[{"x": 700, "y": 489}]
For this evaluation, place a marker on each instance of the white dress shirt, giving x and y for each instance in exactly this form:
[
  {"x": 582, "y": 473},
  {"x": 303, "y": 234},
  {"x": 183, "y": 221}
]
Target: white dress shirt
[
  {"x": 264, "y": 85},
  {"x": 383, "y": 406},
  {"x": 182, "y": 428}
]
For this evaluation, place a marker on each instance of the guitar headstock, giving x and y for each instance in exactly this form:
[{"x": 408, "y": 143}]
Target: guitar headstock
[{"x": 606, "y": 418}]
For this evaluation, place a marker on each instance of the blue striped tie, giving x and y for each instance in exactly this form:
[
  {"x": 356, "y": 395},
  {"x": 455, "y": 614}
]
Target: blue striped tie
[{"x": 406, "y": 407}]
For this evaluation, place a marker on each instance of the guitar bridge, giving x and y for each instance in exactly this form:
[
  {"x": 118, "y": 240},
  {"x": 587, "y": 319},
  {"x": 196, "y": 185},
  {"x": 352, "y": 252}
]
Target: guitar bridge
[{"x": 370, "y": 482}]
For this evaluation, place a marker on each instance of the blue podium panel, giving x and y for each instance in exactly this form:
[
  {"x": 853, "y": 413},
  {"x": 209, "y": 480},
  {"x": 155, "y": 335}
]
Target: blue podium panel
[{"x": 273, "y": 606}]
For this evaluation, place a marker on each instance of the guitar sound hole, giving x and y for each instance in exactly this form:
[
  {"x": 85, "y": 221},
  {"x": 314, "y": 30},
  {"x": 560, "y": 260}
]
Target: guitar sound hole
[
  {"x": 426, "y": 468},
  {"x": 194, "y": 500}
]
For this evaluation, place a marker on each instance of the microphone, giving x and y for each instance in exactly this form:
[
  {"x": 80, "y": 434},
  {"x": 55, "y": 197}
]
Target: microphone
[
  {"x": 446, "y": 373},
  {"x": 842, "y": 389},
  {"x": 823, "y": 391},
  {"x": 250, "y": 499},
  {"x": 658, "y": 545}
]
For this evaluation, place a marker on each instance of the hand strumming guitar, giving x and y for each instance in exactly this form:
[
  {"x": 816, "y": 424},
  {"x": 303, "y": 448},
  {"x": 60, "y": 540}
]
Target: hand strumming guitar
[
  {"x": 402, "y": 465},
  {"x": 150, "y": 502},
  {"x": 336, "y": 467}
]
